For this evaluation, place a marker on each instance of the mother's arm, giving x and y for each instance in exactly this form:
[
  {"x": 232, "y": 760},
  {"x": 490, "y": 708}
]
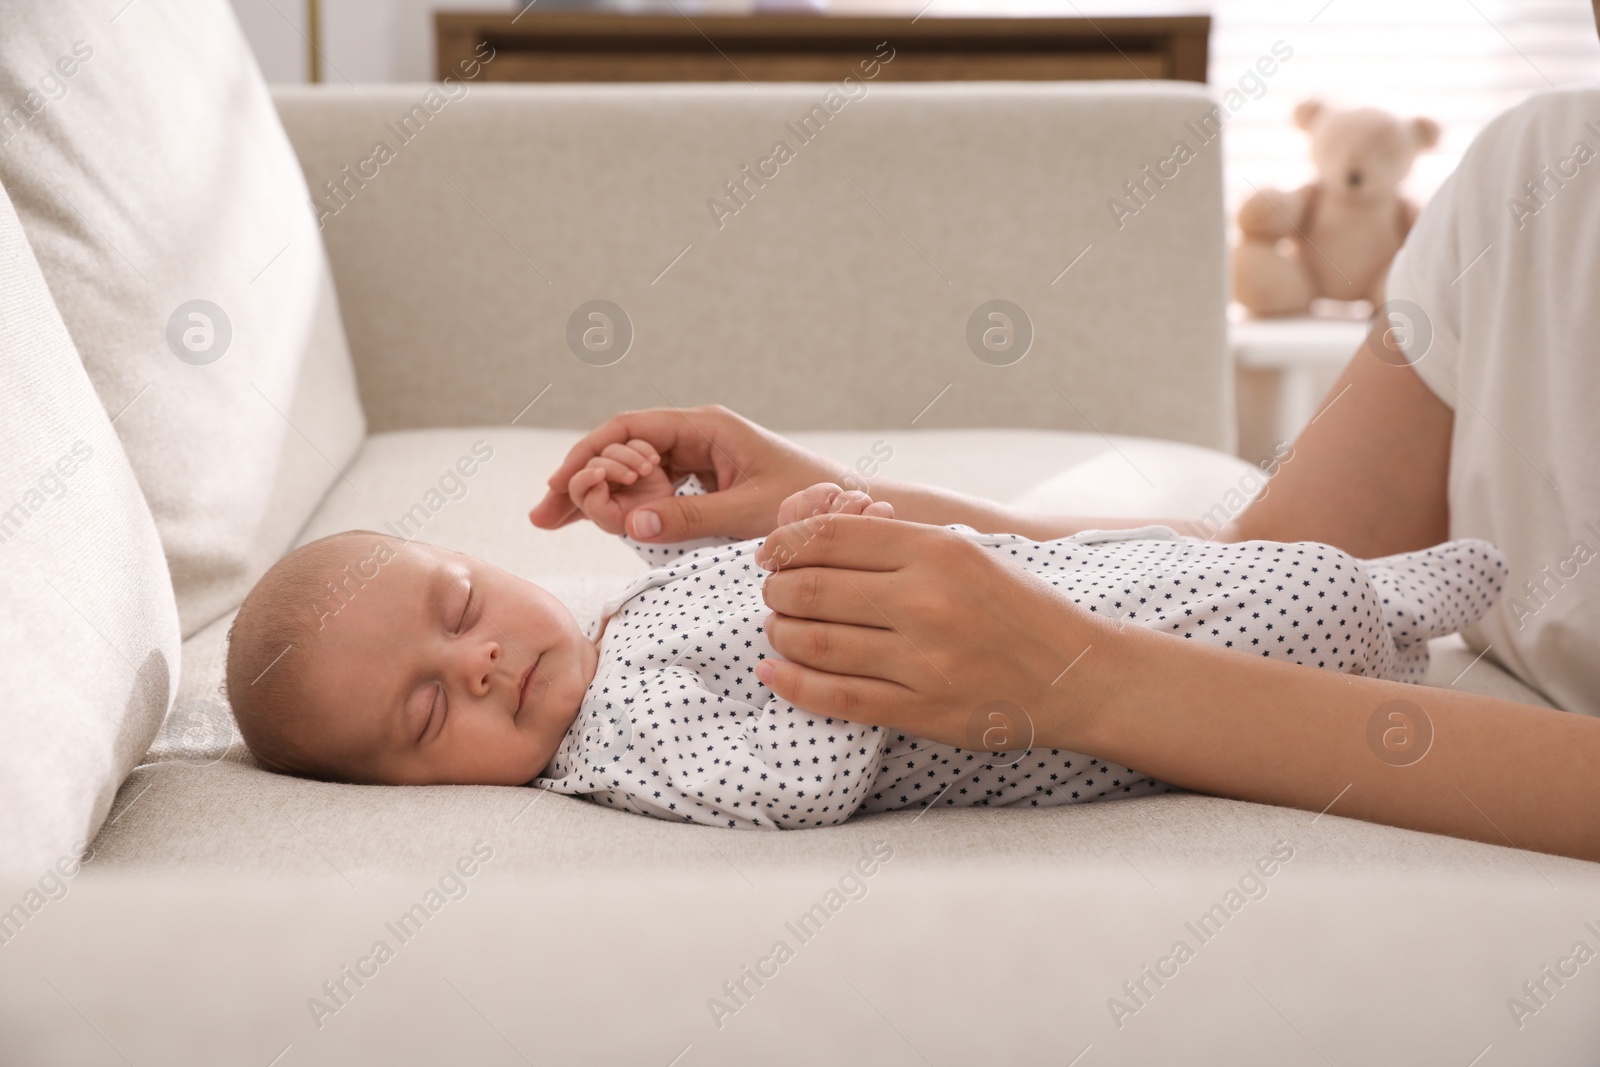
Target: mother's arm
[
  {"x": 750, "y": 471},
  {"x": 916, "y": 628},
  {"x": 1367, "y": 475},
  {"x": 1370, "y": 473}
]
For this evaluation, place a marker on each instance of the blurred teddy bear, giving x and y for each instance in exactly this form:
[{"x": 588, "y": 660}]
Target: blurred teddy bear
[{"x": 1335, "y": 237}]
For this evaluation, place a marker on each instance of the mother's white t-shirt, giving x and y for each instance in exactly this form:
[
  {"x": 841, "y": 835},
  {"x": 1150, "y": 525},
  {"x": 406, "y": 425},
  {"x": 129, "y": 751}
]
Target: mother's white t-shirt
[{"x": 1496, "y": 297}]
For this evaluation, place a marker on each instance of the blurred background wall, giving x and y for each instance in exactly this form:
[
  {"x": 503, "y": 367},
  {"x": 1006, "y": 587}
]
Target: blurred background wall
[{"x": 1458, "y": 61}]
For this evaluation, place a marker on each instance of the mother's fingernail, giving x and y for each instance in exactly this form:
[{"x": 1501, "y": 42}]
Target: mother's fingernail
[
  {"x": 646, "y": 524},
  {"x": 765, "y": 670}
]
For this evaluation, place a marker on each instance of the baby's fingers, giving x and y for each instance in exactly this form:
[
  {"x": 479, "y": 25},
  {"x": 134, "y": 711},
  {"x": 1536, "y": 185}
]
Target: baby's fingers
[
  {"x": 585, "y": 482},
  {"x": 614, "y": 469},
  {"x": 636, "y": 455},
  {"x": 880, "y": 509},
  {"x": 591, "y": 492},
  {"x": 850, "y": 502},
  {"x": 646, "y": 449},
  {"x": 816, "y": 500}
]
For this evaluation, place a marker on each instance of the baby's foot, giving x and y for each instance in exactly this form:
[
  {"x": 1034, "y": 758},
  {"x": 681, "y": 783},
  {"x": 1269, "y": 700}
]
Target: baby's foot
[{"x": 1437, "y": 590}]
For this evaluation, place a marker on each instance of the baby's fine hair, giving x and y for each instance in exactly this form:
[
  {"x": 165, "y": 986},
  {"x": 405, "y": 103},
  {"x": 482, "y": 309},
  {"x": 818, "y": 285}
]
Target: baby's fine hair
[{"x": 272, "y": 636}]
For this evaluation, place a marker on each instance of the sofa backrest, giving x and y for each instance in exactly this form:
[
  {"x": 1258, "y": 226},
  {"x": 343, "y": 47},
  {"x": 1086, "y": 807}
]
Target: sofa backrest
[
  {"x": 156, "y": 186},
  {"x": 813, "y": 256}
]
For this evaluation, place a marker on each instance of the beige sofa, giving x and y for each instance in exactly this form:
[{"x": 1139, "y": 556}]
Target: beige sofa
[{"x": 225, "y": 914}]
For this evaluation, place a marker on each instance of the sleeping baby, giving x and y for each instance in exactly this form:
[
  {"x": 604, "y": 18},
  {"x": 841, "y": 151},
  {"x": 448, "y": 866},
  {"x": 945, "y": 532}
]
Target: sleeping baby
[{"x": 363, "y": 657}]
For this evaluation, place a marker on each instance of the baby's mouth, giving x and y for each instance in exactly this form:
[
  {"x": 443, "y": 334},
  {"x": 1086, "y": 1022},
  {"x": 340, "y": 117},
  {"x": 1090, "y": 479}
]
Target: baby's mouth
[{"x": 527, "y": 683}]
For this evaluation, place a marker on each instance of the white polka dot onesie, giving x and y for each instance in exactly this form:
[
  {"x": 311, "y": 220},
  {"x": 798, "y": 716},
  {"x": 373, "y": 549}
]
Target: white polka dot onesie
[{"x": 676, "y": 725}]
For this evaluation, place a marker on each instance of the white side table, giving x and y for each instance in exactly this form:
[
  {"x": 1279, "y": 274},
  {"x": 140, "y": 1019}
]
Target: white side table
[{"x": 1299, "y": 358}]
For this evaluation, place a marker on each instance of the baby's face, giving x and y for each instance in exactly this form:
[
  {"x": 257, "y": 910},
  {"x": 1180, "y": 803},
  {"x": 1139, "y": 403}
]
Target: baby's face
[{"x": 443, "y": 669}]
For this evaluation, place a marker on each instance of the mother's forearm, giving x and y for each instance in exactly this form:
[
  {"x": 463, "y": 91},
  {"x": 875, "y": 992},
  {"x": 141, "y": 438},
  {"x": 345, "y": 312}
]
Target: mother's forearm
[
  {"x": 933, "y": 506},
  {"x": 1221, "y": 722}
]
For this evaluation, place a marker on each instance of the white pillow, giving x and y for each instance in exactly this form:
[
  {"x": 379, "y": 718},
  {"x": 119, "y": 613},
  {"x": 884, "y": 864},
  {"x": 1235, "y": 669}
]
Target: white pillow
[
  {"x": 150, "y": 170},
  {"x": 1142, "y": 478},
  {"x": 88, "y": 628}
]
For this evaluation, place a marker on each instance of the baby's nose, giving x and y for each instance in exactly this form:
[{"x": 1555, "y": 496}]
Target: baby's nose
[{"x": 483, "y": 675}]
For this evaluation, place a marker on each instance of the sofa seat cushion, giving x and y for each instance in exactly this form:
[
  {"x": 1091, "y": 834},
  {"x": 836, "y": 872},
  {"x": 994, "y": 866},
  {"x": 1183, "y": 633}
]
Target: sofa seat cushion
[
  {"x": 231, "y": 816},
  {"x": 992, "y": 964},
  {"x": 200, "y": 801}
]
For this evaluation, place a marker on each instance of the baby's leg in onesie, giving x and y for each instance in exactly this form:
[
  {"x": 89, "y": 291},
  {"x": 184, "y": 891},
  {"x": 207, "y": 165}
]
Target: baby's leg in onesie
[{"x": 1433, "y": 593}]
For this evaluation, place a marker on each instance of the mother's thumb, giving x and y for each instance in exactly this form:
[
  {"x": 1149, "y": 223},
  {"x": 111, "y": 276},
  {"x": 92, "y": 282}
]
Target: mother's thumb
[{"x": 682, "y": 518}]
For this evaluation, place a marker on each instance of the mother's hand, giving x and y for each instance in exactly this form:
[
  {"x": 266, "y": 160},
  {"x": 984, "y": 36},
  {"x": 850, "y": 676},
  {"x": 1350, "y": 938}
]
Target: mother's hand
[
  {"x": 917, "y": 628},
  {"x": 747, "y": 470}
]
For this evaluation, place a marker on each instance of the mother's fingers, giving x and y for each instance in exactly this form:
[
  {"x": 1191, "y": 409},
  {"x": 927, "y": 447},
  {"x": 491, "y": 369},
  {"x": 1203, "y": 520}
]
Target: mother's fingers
[
  {"x": 864, "y": 700},
  {"x": 853, "y": 650},
  {"x": 554, "y": 511},
  {"x": 828, "y": 595},
  {"x": 854, "y": 542}
]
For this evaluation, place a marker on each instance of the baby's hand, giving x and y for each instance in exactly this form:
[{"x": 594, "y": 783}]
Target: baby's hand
[
  {"x": 825, "y": 498},
  {"x": 619, "y": 479}
]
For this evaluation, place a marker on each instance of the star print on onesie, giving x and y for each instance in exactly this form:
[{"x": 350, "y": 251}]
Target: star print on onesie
[{"x": 675, "y": 724}]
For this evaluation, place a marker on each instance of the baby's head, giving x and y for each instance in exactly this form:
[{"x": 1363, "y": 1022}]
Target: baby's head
[{"x": 365, "y": 658}]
